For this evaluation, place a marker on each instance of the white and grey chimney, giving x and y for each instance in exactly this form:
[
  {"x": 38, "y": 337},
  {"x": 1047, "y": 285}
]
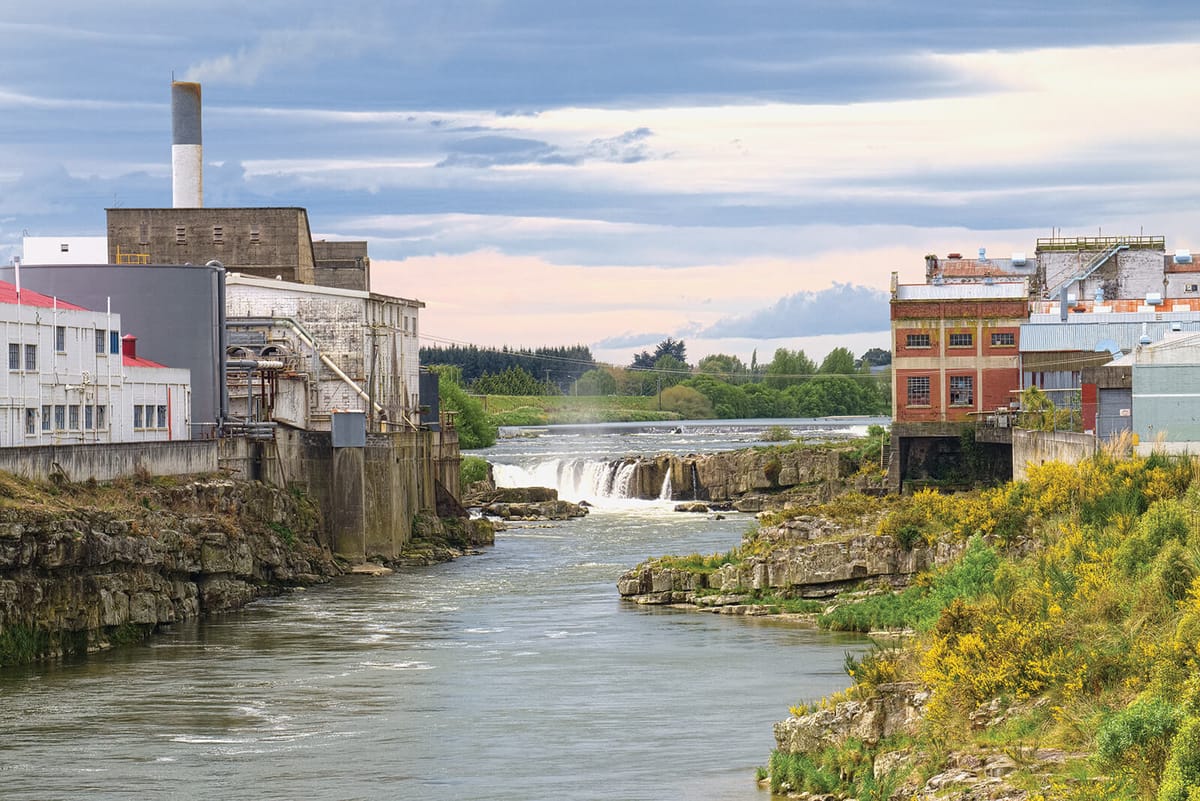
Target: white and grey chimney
[{"x": 187, "y": 156}]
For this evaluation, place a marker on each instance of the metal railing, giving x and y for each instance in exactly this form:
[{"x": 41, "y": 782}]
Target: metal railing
[{"x": 1076, "y": 244}]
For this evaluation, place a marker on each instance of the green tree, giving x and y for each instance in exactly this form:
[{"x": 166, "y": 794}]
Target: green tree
[
  {"x": 514, "y": 380},
  {"x": 728, "y": 400},
  {"x": 597, "y": 382},
  {"x": 788, "y": 368},
  {"x": 474, "y": 430},
  {"x": 839, "y": 361},
  {"x": 723, "y": 366},
  {"x": 876, "y": 357}
]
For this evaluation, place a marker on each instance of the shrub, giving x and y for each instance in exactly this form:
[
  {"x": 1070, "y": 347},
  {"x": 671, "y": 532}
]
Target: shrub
[
  {"x": 473, "y": 469},
  {"x": 1181, "y": 776},
  {"x": 777, "y": 434},
  {"x": 1136, "y": 739}
]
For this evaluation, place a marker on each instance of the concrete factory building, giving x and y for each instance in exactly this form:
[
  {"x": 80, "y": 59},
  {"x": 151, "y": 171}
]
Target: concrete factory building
[
  {"x": 72, "y": 378},
  {"x": 337, "y": 348}
]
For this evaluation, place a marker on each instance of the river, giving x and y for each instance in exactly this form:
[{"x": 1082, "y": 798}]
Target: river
[{"x": 513, "y": 674}]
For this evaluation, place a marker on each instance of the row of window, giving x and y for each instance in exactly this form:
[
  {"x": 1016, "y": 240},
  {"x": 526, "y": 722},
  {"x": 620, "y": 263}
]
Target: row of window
[
  {"x": 15, "y": 349},
  {"x": 962, "y": 390},
  {"x": 76, "y": 417},
  {"x": 67, "y": 417},
  {"x": 999, "y": 339}
]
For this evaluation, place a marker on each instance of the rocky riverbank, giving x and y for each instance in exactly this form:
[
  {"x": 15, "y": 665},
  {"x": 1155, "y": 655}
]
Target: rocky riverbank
[{"x": 84, "y": 567}]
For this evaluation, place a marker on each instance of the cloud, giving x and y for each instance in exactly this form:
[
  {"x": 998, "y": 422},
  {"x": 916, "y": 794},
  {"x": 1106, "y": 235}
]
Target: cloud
[
  {"x": 631, "y": 340},
  {"x": 841, "y": 309}
]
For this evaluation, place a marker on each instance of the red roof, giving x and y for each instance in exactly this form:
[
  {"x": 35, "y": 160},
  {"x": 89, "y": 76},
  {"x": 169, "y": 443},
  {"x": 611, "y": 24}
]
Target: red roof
[
  {"x": 8, "y": 294},
  {"x": 136, "y": 361}
]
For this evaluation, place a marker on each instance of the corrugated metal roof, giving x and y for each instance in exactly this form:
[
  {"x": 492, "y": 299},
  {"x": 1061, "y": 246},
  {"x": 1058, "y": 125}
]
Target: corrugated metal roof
[
  {"x": 962, "y": 268},
  {"x": 1086, "y": 335},
  {"x": 8, "y": 294},
  {"x": 1005, "y": 290}
]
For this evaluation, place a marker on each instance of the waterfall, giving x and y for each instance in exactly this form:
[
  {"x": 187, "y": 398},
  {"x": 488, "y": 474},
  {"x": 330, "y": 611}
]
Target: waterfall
[
  {"x": 575, "y": 479},
  {"x": 664, "y": 494},
  {"x": 695, "y": 483}
]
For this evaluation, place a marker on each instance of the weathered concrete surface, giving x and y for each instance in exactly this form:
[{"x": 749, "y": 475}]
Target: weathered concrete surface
[{"x": 1037, "y": 447}]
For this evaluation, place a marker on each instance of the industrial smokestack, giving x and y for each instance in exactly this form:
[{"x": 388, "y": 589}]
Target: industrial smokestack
[{"x": 187, "y": 156}]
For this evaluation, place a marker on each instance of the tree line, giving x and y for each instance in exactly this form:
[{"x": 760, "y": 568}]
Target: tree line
[{"x": 720, "y": 385}]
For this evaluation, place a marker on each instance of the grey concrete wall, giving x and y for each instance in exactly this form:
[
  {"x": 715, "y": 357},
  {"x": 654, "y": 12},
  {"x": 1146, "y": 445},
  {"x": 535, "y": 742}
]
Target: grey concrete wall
[
  {"x": 1038, "y": 447},
  {"x": 342, "y": 264},
  {"x": 106, "y": 462},
  {"x": 282, "y": 245}
]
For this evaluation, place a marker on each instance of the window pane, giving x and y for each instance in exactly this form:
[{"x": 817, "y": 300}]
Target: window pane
[
  {"x": 162, "y": 416},
  {"x": 31, "y": 421},
  {"x": 31, "y": 357},
  {"x": 137, "y": 416},
  {"x": 1005, "y": 338},
  {"x": 60, "y": 417},
  {"x": 961, "y": 340},
  {"x": 962, "y": 390},
  {"x": 100, "y": 416},
  {"x": 114, "y": 342},
  {"x": 918, "y": 391},
  {"x": 918, "y": 340},
  {"x": 46, "y": 417},
  {"x": 89, "y": 418},
  {"x": 100, "y": 335},
  {"x": 60, "y": 338},
  {"x": 73, "y": 419},
  {"x": 14, "y": 356}
]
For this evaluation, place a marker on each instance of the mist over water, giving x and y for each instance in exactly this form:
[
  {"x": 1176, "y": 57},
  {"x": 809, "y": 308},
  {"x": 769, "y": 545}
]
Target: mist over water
[{"x": 514, "y": 674}]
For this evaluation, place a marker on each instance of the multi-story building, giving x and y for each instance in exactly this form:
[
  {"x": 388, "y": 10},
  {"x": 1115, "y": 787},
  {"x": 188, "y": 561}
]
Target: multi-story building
[
  {"x": 72, "y": 378},
  {"x": 978, "y": 331},
  {"x": 337, "y": 349}
]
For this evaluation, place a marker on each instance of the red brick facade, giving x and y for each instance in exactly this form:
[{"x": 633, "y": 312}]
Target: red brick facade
[{"x": 954, "y": 359}]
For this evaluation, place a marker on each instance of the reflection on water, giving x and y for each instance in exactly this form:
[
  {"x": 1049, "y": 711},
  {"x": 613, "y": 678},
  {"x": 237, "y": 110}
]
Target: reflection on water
[{"x": 515, "y": 674}]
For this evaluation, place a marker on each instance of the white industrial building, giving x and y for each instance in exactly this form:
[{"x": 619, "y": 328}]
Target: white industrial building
[
  {"x": 71, "y": 378},
  {"x": 319, "y": 350},
  {"x": 65, "y": 249}
]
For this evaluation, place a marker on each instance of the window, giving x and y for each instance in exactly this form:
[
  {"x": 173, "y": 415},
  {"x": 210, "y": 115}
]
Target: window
[
  {"x": 73, "y": 416},
  {"x": 114, "y": 342},
  {"x": 180, "y": 235},
  {"x": 917, "y": 341},
  {"x": 31, "y": 357},
  {"x": 60, "y": 417},
  {"x": 918, "y": 390},
  {"x": 137, "y": 416},
  {"x": 101, "y": 335},
  {"x": 46, "y": 417},
  {"x": 254, "y": 235},
  {"x": 218, "y": 235},
  {"x": 30, "y": 422},
  {"x": 65, "y": 247},
  {"x": 89, "y": 418},
  {"x": 962, "y": 390},
  {"x": 149, "y": 416},
  {"x": 100, "y": 415},
  {"x": 1004, "y": 339},
  {"x": 14, "y": 356},
  {"x": 60, "y": 338},
  {"x": 162, "y": 416},
  {"x": 961, "y": 340}
]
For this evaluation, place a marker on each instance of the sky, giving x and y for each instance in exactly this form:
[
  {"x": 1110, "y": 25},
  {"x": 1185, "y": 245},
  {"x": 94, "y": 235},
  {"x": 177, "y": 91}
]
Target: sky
[{"x": 742, "y": 175}]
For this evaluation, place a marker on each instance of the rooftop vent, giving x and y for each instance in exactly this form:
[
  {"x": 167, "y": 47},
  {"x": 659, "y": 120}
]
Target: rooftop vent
[
  {"x": 1183, "y": 257},
  {"x": 1144, "y": 339},
  {"x": 983, "y": 254},
  {"x": 1153, "y": 298},
  {"x": 954, "y": 256},
  {"x": 1018, "y": 259}
]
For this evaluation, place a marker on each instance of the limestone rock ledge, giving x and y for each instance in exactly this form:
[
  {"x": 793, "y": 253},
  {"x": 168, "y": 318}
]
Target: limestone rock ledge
[
  {"x": 72, "y": 580},
  {"x": 806, "y": 570}
]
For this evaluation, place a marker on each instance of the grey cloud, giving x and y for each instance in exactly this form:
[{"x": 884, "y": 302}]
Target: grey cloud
[
  {"x": 631, "y": 340},
  {"x": 841, "y": 309}
]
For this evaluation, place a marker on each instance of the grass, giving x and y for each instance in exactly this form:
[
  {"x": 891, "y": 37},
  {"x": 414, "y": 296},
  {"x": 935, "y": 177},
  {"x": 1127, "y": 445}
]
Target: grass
[{"x": 541, "y": 410}]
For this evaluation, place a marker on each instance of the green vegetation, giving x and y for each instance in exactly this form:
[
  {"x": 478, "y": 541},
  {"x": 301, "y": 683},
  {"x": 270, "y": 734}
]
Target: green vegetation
[
  {"x": 777, "y": 434},
  {"x": 22, "y": 644},
  {"x": 720, "y": 386},
  {"x": 474, "y": 428},
  {"x": 472, "y": 469}
]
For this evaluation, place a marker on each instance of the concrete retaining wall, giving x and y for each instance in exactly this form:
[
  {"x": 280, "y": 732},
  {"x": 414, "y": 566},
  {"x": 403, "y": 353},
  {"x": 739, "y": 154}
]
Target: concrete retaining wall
[
  {"x": 1037, "y": 447},
  {"x": 106, "y": 462}
]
